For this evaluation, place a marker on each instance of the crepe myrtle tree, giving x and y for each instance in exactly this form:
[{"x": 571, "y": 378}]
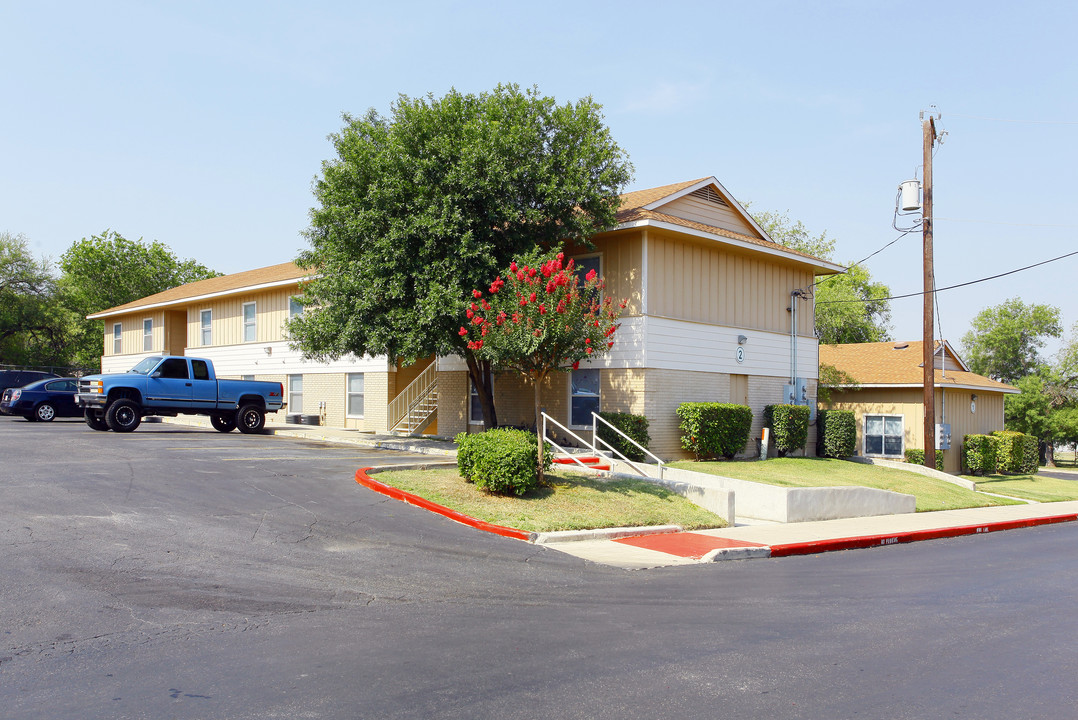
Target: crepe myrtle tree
[{"x": 538, "y": 318}]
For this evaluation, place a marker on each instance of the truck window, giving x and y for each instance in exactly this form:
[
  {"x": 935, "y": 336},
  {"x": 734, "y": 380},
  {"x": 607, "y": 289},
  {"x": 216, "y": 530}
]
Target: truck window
[
  {"x": 200, "y": 369},
  {"x": 174, "y": 368}
]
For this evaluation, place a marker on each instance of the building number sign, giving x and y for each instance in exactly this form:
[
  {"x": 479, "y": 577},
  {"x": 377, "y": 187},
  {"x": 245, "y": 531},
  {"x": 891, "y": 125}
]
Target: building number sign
[{"x": 740, "y": 354}]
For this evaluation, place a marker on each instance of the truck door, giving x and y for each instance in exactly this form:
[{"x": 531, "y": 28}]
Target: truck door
[
  {"x": 203, "y": 386},
  {"x": 169, "y": 385}
]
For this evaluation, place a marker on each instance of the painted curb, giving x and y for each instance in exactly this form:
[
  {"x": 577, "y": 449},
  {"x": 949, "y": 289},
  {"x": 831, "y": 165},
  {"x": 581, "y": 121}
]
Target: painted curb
[
  {"x": 868, "y": 541},
  {"x": 368, "y": 482},
  {"x": 560, "y": 536}
]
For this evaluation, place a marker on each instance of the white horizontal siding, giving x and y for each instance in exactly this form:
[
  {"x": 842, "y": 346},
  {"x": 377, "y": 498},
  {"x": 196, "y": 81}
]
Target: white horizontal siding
[{"x": 252, "y": 359}]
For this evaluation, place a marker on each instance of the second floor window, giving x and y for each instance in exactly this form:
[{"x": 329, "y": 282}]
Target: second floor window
[
  {"x": 117, "y": 338},
  {"x": 147, "y": 335},
  {"x": 206, "y": 323},
  {"x": 250, "y": 313}
]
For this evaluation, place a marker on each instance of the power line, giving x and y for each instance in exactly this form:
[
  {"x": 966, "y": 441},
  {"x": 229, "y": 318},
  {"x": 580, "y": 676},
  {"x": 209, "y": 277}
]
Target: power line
[
  {"x": 867, "y": 257},
  {"x": 952, "y": 287},
  {"x": 1010, "y": 120}
]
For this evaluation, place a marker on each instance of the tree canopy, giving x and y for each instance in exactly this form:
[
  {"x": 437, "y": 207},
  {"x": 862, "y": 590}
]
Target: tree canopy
[
  {"x": 1004, "y": 340},
  {"x": 420, "y": 207},
  {"x": 31, "y": 330},
  {"x": 107, "y": 270}
]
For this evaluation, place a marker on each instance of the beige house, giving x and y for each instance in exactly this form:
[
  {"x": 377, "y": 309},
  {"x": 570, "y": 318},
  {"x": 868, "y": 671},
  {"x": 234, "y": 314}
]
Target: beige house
[
  {"x": 889, "y": 400},
  {"x": 714, "y": 314}
]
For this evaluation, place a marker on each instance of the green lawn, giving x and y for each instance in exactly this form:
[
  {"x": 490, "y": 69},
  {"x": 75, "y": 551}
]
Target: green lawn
[
  {"x": 1029, "y": 487},
  {"x": 931, "y": 494},
  {"x": 570, "y": 502}
]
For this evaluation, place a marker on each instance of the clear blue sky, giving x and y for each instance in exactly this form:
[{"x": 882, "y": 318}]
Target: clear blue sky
[{"x": 203, "y": 124}]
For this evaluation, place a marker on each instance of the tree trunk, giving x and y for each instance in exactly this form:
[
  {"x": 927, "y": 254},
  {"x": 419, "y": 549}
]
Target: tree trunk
[
  {"x": 480, "y": 374},
  {"x": 1049, "y": 454}
]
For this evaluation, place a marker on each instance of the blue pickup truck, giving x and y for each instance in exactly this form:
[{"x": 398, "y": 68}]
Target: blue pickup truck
[{"x": 174, "y": 385}]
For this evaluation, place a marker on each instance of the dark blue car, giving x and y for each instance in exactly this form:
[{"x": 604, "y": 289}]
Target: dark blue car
[{"x": 42, "y": 400}]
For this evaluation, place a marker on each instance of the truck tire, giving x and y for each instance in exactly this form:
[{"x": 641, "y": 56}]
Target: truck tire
[
  {"x": 250, "y": 419},
  {"x": 95, "y": 421},
  {"x": 123, "y": 415},
  {"x": 223, "y": 423}
]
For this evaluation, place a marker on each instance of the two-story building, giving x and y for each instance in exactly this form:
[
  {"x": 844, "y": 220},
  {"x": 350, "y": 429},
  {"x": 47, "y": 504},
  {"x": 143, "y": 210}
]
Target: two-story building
[{"x": 714, "y": 314}]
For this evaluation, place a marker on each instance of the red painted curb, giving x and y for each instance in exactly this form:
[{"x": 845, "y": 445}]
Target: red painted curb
[
  {"x": 397, "y": 494},
  {"x": 867, "y": 541}
]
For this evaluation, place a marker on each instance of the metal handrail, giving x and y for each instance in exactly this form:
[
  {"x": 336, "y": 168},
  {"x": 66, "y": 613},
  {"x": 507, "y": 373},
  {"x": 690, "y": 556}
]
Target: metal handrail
[
  {"x": 582, "y": 441},
  {"x": 406, "y": 399},
  {"x": 627, "y": 461}
]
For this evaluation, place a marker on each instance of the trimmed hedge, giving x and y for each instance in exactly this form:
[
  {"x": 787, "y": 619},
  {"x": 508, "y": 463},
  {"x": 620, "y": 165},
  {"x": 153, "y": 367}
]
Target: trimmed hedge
[
  {"x": 836, "y": 433},
  {"x": 502, "y": 461},
  {"x": 1016, "y": 453},
  {"x": 979, "y": 454},
  {"x": 916, "y": 456},
  {"x": 714, "y": 429},
  {"x": 789, "y": 426},
  {"x": 635, "y": 426}
]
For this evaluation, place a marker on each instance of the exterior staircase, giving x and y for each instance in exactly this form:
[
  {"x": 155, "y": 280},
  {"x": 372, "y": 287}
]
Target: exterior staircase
[{"x": 416, "y": 407}]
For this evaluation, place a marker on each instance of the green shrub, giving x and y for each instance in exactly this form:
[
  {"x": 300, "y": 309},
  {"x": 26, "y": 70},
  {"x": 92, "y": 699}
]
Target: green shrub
[
  {"x": 1016, "y": 453},
  {"x": 836, "y": 433},
  {"x": 979, "y": 454},
  {"x": 714, "y": 429},
  {"x": 789, "y": 427},
  {"x": 502, "y": 461},
  {"x": 916, "y": 456},
  {"x": 635, "y": 426}
]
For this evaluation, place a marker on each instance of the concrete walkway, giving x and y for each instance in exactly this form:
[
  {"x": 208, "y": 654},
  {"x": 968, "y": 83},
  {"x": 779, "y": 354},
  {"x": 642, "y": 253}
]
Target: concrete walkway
[{"x": 639, "y": 548}]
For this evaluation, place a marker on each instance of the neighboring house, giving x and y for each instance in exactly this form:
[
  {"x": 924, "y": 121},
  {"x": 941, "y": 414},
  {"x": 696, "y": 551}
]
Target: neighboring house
[
  {"x": 714, "y": 314},
  {"x": 889, "y": 398}
]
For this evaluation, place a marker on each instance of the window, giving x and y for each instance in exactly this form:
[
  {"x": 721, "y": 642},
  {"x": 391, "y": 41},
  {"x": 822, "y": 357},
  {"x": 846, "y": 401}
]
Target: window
[
  {"x": 247, "y": 377},
  {"x": 206, "y": 319},
  {"x": 200, "y": 369},
  {"x": 355, "y": 394},
  {"x": 582, "y": 266},
  {"x": 883, "y": 435},
  {"x": 117, "y": 338},
  {"x": 147, "y": 335},
  {"x": 295, "y": 307},
  {"x": 295, "y": 393},
  {"x": 584, "y": 400},
  {"x": 175, "y": 368},
  {"x": 250, "y": 311},
  {"x": 475, "y": 408}
]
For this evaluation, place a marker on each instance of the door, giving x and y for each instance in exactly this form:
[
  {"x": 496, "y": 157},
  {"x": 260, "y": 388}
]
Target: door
[{"x": 170, "y": 385}]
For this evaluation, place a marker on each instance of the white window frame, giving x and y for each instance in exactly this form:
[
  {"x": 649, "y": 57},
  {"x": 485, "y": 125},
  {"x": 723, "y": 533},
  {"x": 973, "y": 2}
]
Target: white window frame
[
  {"x": 205, "y": 329},
  {"x": 147, "y": 335},
  {"x": 250, "y": 327},
  {"x": 117, "y": 339},
  {"x": 292, "y": 393},
  {"x": 599, "y": 396},
  {"x": 883, "y": 436},
  {"x": 349, "y": 394}
]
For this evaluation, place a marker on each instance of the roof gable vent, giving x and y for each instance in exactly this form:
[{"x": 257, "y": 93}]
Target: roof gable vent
[
  {"x": 901, "y": 346},
  {"x": 708, "y": 194}
]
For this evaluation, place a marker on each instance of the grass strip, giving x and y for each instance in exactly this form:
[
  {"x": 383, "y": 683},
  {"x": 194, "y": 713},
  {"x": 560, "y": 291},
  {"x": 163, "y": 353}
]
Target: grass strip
[
  {"x": 569, "y": 502},
  {"x": 931, "y": 494},
  {"x": 1039, "y": 488}
]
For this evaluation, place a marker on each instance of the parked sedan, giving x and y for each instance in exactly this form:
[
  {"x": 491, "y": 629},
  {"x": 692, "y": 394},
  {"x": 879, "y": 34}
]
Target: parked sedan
[{"x": 42, "y": 400}]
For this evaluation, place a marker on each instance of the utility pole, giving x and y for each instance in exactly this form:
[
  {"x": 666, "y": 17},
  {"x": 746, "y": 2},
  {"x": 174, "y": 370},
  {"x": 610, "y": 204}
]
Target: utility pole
[{"x": 929, "y": 130}]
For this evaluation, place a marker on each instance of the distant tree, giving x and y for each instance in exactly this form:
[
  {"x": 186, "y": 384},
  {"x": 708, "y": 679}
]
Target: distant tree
[
  {"x": 31, "y": 330},
  {"x": 420, "y": 207},
  {"x": 107, "y": 270},
  {"x": 850, "y": 307},
  {"x": 1004, "y": 340},
  {"x": 537, "y": 318}
]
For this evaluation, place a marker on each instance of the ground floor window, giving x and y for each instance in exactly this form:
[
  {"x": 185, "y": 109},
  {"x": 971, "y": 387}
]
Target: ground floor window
[
  {"x": 883, "y": 435},
  {"x": 475, "y": 408},
  {"x": 584, "y": 397},
  {"x": 355, "y": 394},
  {"x": 295, "y": 393}
]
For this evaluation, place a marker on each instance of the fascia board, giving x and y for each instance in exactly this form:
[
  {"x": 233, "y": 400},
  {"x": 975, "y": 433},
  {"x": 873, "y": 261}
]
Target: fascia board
[
  {"x": 941, "y": 386},
  {"x": 730, "y": 200},
  {"x": 197, "y": 298},
  {"x": 672, "y": 227}
]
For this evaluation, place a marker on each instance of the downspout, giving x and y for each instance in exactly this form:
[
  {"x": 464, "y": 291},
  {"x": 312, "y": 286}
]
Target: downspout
[{"x": 793, "y": 338}]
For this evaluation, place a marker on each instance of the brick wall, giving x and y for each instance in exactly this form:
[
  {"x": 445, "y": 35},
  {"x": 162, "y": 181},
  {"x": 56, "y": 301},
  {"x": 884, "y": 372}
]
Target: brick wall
[{"x": 452, "y": 403}]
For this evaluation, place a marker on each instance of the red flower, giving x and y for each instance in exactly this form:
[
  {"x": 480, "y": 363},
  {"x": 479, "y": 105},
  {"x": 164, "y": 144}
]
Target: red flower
[
  {"x": 587, "y": 350},
  {"x": 477, "y": 320},
  {"x": 611, "y": 331},
  {"x": 587, "y": 341},
  {"x": 542, "y": 309},
  {"x": 550, "y": 286},
  {"x": 576, "y": 365},
  {"x": 484, "y": 304},
  {"x": 520, "y": 276},
  {"x": 609, "y": 345},
  {"x": 513, "y": 266},
  {"x": 462, "y": 332},
  {"x": 516, "y": 318},
  {"x": 531, "y": 298},
  {"x": 469, "y": 313},
  {"x": 591, "y": 275}
]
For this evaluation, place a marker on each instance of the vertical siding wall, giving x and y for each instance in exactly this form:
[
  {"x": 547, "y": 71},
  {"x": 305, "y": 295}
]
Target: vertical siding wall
[
  {"x": 708, "y": 283},
  {"x": 227, "y": 327},
  {"x": 622, "y": 261}
]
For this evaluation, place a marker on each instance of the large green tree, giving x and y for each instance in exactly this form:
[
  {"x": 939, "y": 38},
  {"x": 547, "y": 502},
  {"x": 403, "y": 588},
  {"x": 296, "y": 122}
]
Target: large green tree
[
  {"x": 423, "y": 205},
  {"x": 31, "y": 328},
  {"x": 850, "y": 307},
  {"x": 1004, "y": 340},
  {"x": 107, "y": 270}
]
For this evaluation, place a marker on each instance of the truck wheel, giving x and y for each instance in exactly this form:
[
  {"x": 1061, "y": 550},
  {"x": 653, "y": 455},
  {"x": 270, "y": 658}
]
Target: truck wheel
[
  {"x": 95, "y": 421},
  {"x": 250, "y": 419},
  {"x": 223, "y": 423},
  {"x": 123, "y": 415},
  {"x": 44, "y": 412}
]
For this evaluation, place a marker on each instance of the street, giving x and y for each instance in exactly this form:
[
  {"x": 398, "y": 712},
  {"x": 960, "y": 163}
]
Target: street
[{"x": 182, "y": 573}]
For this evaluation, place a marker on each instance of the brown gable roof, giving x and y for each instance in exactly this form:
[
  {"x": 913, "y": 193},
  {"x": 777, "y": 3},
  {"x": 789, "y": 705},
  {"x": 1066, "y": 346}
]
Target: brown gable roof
[
  {"x": 223, "y": 285},
  {"x": 899, "y": 364},
  {"x": 632, "y": 210}
]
